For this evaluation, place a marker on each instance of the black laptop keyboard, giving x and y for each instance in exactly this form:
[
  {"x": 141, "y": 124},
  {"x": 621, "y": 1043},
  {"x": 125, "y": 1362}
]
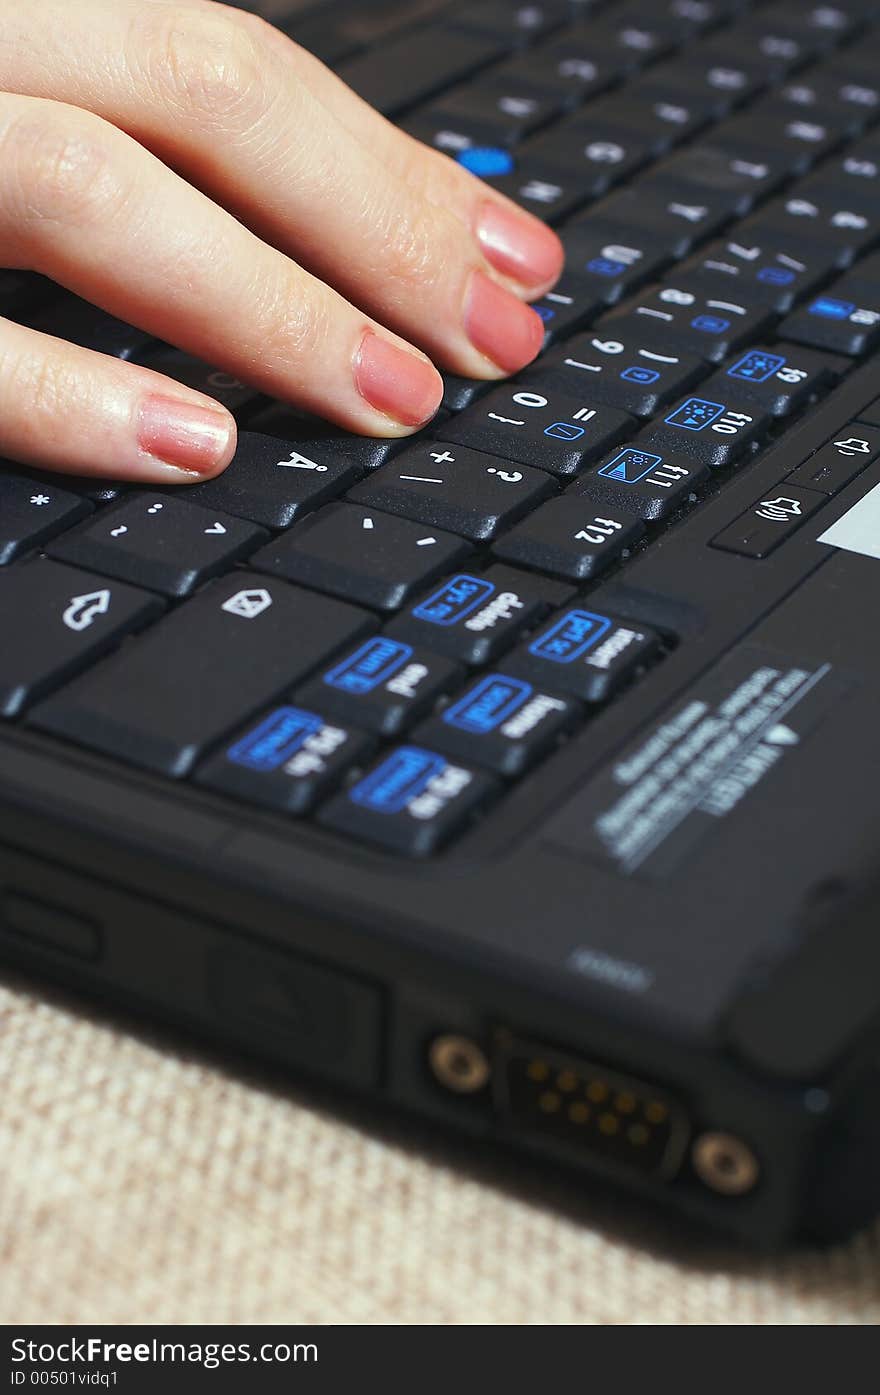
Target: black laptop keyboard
[{"x": 382, "y": 635}]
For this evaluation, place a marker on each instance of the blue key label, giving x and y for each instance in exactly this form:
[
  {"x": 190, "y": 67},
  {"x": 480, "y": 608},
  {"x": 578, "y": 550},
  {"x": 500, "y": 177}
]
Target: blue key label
[
  {"x": 488, "y": 705},
  {"x": 571, "y": 637},
  {"x": 630, "y": 465},
  {"x": 275, "y": 740},
  {"x": 369, "y": 666}
]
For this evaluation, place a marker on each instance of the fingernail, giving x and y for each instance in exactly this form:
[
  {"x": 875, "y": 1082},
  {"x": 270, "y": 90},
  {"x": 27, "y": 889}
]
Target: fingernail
[
  {"x": 518, "y": 245},
  {"x": 183, "y": 435},
  {"x": 397, "y": 382},
  {"x": 500, "y": 326}
]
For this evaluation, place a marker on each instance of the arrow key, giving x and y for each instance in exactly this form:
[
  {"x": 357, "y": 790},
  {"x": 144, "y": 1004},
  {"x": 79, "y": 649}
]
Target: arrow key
[{"x": 160, "y": 542}]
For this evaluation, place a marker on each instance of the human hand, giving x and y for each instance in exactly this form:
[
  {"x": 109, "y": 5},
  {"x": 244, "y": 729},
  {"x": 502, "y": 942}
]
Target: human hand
[{"x": 189, "y": 169}]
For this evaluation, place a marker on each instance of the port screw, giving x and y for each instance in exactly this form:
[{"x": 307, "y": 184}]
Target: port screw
[
  {"x": 725, "y": 1163},
  {"x": 459, "y": 1064}
]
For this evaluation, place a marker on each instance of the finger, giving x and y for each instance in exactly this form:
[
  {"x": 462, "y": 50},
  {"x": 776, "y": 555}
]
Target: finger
[
  {"x": 67, "y": 409},
  {"x": 236, "y": 107},
  {"x": 84, "y": 204}
]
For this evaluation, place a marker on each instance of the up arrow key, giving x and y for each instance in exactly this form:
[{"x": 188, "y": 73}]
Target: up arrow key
[{"x": 216, "y": 528}]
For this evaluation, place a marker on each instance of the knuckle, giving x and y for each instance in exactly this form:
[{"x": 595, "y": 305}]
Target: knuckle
[
  {"x": 205, "y": 65},
  {"x": 61, "y": 167}
]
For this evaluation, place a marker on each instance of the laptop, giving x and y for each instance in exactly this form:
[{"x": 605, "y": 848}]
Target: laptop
[{"x": 523, "y": 775}]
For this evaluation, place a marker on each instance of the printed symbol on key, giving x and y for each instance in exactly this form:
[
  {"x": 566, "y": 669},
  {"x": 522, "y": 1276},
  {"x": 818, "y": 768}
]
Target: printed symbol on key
[
  {"x": 118, "y": 532},
  {"x": 695, "y": 414},
  {"x": 155, "y": 508},
  {"x": 508, "y": 476},
  {"x": 780, "y": 510},
  {"x": 84, "y": 610},
  {"x": 853, "y": 445},
  {"x": 295, "y": 461},
  {"x": 247, "y": 605},
  {"x": 40, "y": 500}
]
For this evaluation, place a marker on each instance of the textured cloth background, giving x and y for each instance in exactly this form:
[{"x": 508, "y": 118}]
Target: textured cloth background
[{"x": 143, "y": 1182}]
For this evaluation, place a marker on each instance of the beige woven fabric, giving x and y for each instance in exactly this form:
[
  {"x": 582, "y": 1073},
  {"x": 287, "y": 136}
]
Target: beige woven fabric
[{"x": 142, "y": 1183}]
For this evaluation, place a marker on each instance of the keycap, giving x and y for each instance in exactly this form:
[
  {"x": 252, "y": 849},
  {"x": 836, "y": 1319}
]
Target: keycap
[
  {"x": 30, "y": 513},
  {"x": 660, "y": 123},
  {"x": 683, "y": 318},
  {"x": 573, "y": 302},
  {"x": 549, "y": 191},
  {"x": 835, "y": 464},
  {"x": 81, "y": 323},
  {"x": 55, "y": 621},
  {"x": 568, "y": 538},
  {"x": 781, "y": 379},
  {"x": 753, "y": 48},
  {"x": 318, "y": 440},
  {"x": 586, "y": 654},
  {"x": 715, "y": 432},
  {"x": 833, "y": 92},
  {"x": 348, "y": 551},
  {"x": 773, "y": 519},
  {"x": 500, "y": 723},
  {"x": 840, "y": 319},
  {"x": 411, "y": 802},
  {"x": 612, "y": 258},
  {"x": 770, "y": 132},
  {"x": 473, "y": 617},
  {"x": 287, "y": 759},
  {"x": 725, "y": 84},
  {"x": 273, "y": 483},
  {"x": 413, "y": 67},
  {"x": 235, "y": 395},
  {"x": 670, "y": 224},
  {"x": 650, "y": 484},
  {"x": 842, "y": 230},
  {"x": 175, "y": 692},
  {"x": 517, "y": 25},
  {"x": 573, "y": 66},
  {"x": 622, "y": 371},
  {"x": 599, "y": 154},
  {"x": 548, "y": 429},
  {"x": 766, "y": 272},
  {"x": 90, "y": 487},
  {"x": 162, "y": 543},
  {"x": 382, "y": 685},
  {"x": 498, "y": 112},
  {"x": 730, "y": 179},
  {"x": 636, "y": 41},
  {"x": 460, "y": 490}
]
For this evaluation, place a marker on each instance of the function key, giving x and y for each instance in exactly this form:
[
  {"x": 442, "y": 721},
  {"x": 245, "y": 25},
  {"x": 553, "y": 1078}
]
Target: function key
[
  {"x": 547, "y": 428},
  {"x": 621, "y": 371},
  {"x": 782, "y": 380},
  {"x": 382, "y": 685},
  {"x": 455, "y": 488},
  {"x": 501, "y": 723},
  {"x": 570, "y": 539},
  {"x": 762, "y": 528},
  {"x": 472, "y": 618},
  {"x": 272, "y": 483},
  {"x": 356, "y": 552},
  {"x": 715, "y": 432},
  {"x": 411, "y": 802},
  {"x": 844, "y": 319},
  {"x": 30, "y": 513},
  {"x": 650, "y": 484},
  {"x": 161, "y": 543},
  {"x": 286, "y": 759},
  {"x": 585, "y": 653}
]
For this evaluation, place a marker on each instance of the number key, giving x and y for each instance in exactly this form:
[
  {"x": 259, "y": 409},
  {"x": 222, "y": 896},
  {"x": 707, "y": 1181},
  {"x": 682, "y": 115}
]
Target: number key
[{"x": 547, "y": 429}]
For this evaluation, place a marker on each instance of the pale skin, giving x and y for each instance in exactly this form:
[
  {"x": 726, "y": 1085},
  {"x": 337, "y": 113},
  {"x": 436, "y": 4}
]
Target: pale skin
[{"x": 187, "y": 168}]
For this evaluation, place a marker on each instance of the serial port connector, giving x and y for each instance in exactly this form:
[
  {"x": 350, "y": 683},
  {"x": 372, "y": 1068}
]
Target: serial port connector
[{"x": 572, "y": 1106}]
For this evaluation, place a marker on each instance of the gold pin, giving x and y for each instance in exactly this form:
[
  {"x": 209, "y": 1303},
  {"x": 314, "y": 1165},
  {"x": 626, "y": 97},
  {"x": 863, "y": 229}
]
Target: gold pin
[
  {"x": 549, "y": 1101},
  {"x": 578, "y": 1112},
  {"x": 597, "y": 1091},
  {"x": 567, "y": 1080},
  {"x": 608, "y": 1124},
  {"x": 625, "y": 1103}
]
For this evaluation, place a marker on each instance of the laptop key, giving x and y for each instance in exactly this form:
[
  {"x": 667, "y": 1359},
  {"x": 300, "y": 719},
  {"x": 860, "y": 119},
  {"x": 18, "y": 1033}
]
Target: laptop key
[
  {"x": 611, "y": 257},
  {"x": 765, "y": 271},
  {"x": 55, "y": 621},
  {"x": 172, "y": 694},
  {"x": 772, "y": 520},
  {"x": 411, "y": 802},
  {"x": 31, "y": 512},
  {"x": 286, "y": 759},
  {"x": 782, "y": 380},
  {"x": 684, "y": 318},
  {"x": 549, "y": 191},
  {"x": 546, "y": 428},
  {"x": 568, "y": 538},
  {"x": 273, "y": 483},
  {"x": 236, "y": 396},
  {"x": 460, "y": 490},
  {"x": 621, "y": 371},
  {"x": 501, "y": 723},
  {"x": 350, "y": 551},
  {"x": 844, "y": 318},
  {"x": 473, "y": 617},
  {"x": 382, "y": 685},
  {"x": 714, "y": 432},
  {"x": 160, "y": 542},
  {"x": 414, "y": 67},
  {"x": 519, "y": 25},
  {"x": 650, "y": 484},
  {"x": 584, "y": 653}
]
